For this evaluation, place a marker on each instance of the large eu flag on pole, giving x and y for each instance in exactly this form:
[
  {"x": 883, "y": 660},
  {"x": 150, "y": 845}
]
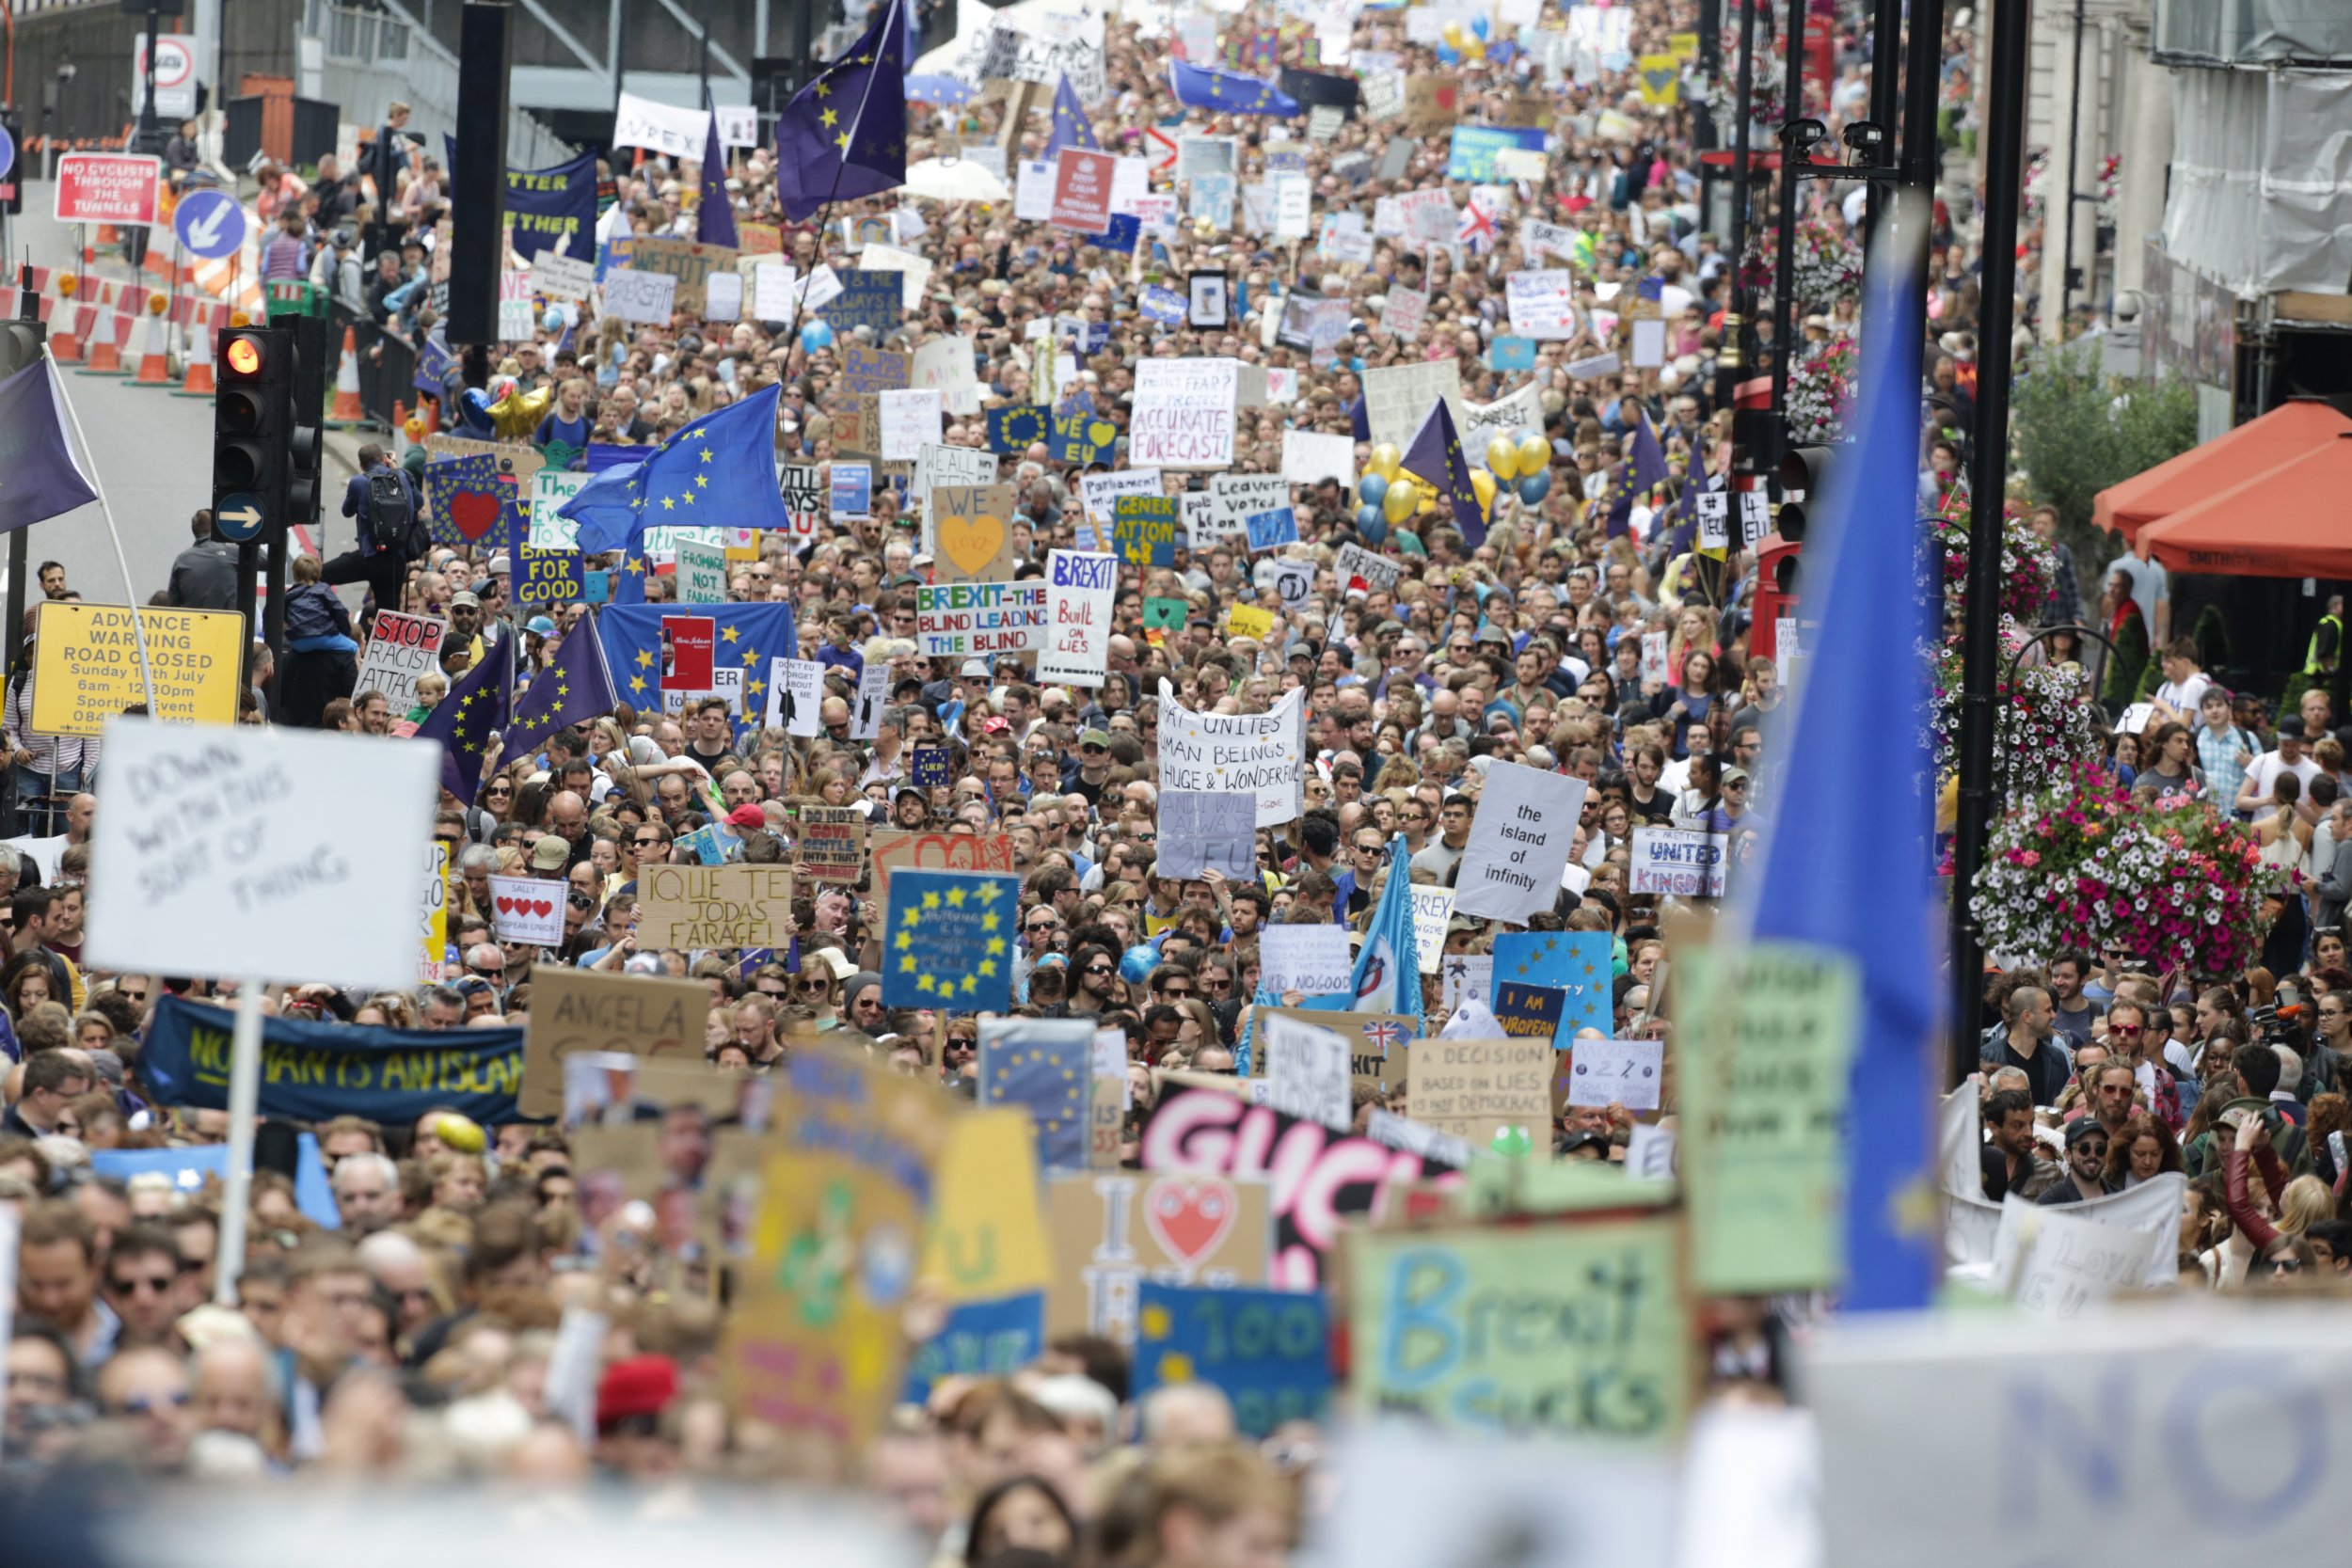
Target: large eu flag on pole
[
  {"x": 574, "y": 689},
  {"x": 1859, "y": 753},
  {"x": 719, "y": 471},
  {"x": 844, "y": 135},
  {"x": 465, "y": 720},
  {"x": 39, "y": 476}
]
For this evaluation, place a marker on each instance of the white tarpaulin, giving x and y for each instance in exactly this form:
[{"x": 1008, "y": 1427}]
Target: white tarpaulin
[{"x": 2261, "y": 193}]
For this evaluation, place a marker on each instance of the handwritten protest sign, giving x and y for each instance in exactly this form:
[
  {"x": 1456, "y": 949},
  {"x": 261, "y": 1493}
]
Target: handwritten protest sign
[
  {"x": 1397, "y": 397},
  {"x": 928, "y": 851},
  {"x": 228, "y": 848},
  {"x": 1101, "y": 494},
  {"x": 400, "y": 648},
  {"x": 1113, "y": 1230},
  {"x": 632, "y": 295},
  {"x": 86, "y": 665},
  {"x": 990, "y": 1338},
  {"x": 690, "y": 262},
  {"x": 963, "y": 618},
  {"x": 796, "y": 695},
  {"x": 1675, "y": 861},
  {"x": 949, "y": 941},
  {"x": 1311, "y": 958},
  {"x": 1519, "y": 843},
  {"x": 528, "y": 910},
  {"x": 1376, "y": 1042},
  {"x": 1203, "y": 828},
  {"x": 1268, "y": 1350},
  {"x": 714, "y": 905},
  {"x": 970, "y": 527},
  {"x": 1261, "y": 753},
  {"x": 1433, "y": 907},
  {"x": 574, "y": 1010},
  {"x": 314, "y": 1071},
  {"x": 1080, "y": 586},
  {"x": 1308, "y": 1071},
  {"x": 831, "y": 843},
  {"x": 1144, "y": 529},
  {"x": 1470, "y": 1088},
  {"x": 2055, "y": 1262},
  {"x": 1184, "y": 414},
  {"x": 1615, "y": 1072}
]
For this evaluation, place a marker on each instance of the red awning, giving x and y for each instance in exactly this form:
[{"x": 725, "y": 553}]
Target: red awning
[
  {"x": 2288, "y": 431},
  {"x": 2285, "y": 520}
]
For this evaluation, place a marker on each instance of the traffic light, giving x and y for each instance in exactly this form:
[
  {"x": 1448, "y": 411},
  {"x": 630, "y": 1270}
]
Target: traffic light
[
  {"x": 306, "y": 450},
  {"x": 1804, "y": 476},
  {"x": 21, "y": 344},
  {"x": 252, "y": 430}
]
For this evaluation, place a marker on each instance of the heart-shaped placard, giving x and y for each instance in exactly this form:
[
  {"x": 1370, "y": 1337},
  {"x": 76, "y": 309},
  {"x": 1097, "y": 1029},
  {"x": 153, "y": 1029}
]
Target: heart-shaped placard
[
  {"x": 474, "y": 514},
  {"x": 971, "y": 542},
  {"x": 1190, "y": 1216}
]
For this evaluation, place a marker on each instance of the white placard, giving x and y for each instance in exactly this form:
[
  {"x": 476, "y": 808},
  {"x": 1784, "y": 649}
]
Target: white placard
[
  {"x": 944, "y": 365},
  {"x": 915, "y": 272},
  {"x": 1650, "y": 342},
  {"x": 738, "y": 124},
  {"x": 1593, "y": 366},
  {"x": 1290, "y": 581},
  {"x": 910, "y": 421},
  {"x": 1542, "y": 305},
  {"x": 1384, "y": 95},
  {"x": 1654, "y": 669},
  {"x": 1617, "y": 1072},
  {"x": 2053, "y": 1262},
  {"x": 1714, "y": 525},
  {"x": 772, "y": 289},
  {"x": 517, "y": 322},
  {"x": 528, "y": 910},
  {"x": 549, "y": 489},
  {"x": 1311, "y": 958},
  {"x": 1079, "y": 587},
  {"x": 1432, "y": 908},
  {"x": 1397, "y": 398},
  {"x": 1755, "y": 516},
  {"x": 1196, "y": 511},
  {"x": 796, "y": 689},
  {"x": 1308, "y": 458},
  {"x": 1184, "y": 414},
  {"x": 1099, "y": 494},
  {"x": 723, "y": 296},
  {"x": 1404, "y": 313},
  {"x": 1261, "y": 753},
  {"x": 632, "y": 295},
  {"x": 1540, "y": 239},
  {"x": 1505, "y": 416},
  {"x": 1309, "y": 1067},
  {"x": 702, "y": 572},
  {"x": 1519, "y": 842},
  {"x": 1233, "y": 499},
  {"x": 1678, "y": 863},
  {"x": 560, "y": 276},
  {"x": 873, "y": 695},
  {"x": 230, "y": 850},
  {"x": 1649, "y": 1152},
  {"x": 659, "y": 128},
  {"x": 1294, "y": 206},
  {"x": 1467, "y": 977},
  {"x": 1033, "y": 191},
  {"x": 1361, "y": 571},
  {"x": 401, "y": 649}
]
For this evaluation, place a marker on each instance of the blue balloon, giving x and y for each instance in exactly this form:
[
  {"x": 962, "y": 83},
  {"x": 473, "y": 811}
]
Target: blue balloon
[
  {"x": 1535, "y": 487},
  {"x": 1448, "y": 54},
  {"x": 1140, "y": 961},
  {"x": 1373, "y": 489},
  {"x": 1373, "y": 526},
  {"x": 815, "y": 335},
  {"x": 1479, "y": 25}
]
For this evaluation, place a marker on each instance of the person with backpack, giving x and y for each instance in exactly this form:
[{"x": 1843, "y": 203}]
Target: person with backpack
[
  {"x": 383, "y": 499},
  {"x": 204, "y": 576}
]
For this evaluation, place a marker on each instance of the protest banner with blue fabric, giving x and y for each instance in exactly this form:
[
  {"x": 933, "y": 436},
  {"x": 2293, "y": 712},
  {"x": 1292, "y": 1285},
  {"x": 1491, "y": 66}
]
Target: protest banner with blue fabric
[
  {"x": 1435, "y": 459},
  {"x": 463, "y": 721},
  {"x": 721, "y": 468},
  {"x": 844, "y": 135},
  {"x": 43, "y": 480},
  {"x": 1164, "y": 306},
  {"x": 743, "y": 635},
  {"x": 187, "y": 1167},
  {"x": 991, "y": 1339},
  {"x": 1471, "y": 154},
  {"x": 548, "y": 209},
  {"x": 317, "y": 1071},
  {"x": 869, "y": 297},
  {"x": 1859, "y": 751},
  {"x": 1045, "y": 1066},
  {"x": 1388, "y": 965},
  {"x": 947, "y": 941},
  {"x": 574, "y": 689},
  {"x": 1200, "y": 86}
]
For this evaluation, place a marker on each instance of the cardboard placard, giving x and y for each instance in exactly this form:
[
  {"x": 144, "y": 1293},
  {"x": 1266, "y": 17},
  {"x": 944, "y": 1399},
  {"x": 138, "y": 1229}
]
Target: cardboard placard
[
  {"x": 1470, "y": 1088},
  {"x": 831, "y": 843},
  {"x": 574, "y": 1010},
  {"x": 714, "y": 905},
  {"x": 1113, "y": 1229}
]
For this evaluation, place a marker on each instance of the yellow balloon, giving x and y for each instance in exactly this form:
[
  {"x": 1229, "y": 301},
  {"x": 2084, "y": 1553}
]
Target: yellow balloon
[
  {"x": 1428, "y": 503},
  {"x": 1384, "y": 460},
  {"x": 517, "y": 414},
  {"x": 1451, "y": 32},
  {"x": 1473, "y": 48},
  {"x": 1484, "y": 483},
  {"x": 1502, "y": 456},
  {"x": 1534, "y": 455},
  {"x": 1399, "y": 502}
]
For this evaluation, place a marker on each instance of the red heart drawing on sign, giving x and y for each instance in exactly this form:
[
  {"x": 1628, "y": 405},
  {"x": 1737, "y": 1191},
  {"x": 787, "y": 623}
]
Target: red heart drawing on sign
[
  {"x": 473, "y": 513},
  {"x": 542, "y": 907},
  {"x": 1190, "y": 1216},
  {"x": 506, "y": 904}
]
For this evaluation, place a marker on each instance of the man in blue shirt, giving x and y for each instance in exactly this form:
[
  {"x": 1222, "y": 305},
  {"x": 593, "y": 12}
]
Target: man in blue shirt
[{"x": 382, "y": 569}]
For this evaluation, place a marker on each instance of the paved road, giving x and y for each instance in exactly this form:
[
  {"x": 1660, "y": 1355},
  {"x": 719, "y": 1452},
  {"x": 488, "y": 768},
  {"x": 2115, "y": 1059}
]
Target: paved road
[{"x": 151, "y": 452}]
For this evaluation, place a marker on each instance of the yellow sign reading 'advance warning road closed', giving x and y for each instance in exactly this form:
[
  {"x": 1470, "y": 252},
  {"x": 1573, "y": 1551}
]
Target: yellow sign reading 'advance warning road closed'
[{"x": 86, "y": 665}]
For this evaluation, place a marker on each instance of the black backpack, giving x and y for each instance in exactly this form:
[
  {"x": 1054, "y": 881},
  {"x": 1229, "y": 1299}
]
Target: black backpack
[{"x": 388, "y": 512}]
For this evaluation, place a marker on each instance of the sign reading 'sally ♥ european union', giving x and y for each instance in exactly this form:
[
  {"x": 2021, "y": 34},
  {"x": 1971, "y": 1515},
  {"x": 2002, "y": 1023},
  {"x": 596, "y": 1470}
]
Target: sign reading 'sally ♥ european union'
[{"x": 947, "y": 941}]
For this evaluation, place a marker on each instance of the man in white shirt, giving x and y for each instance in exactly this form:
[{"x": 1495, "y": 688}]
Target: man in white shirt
[
  {"x": 2262, "y": 776},
  {"x": 2183, "y": 683}
]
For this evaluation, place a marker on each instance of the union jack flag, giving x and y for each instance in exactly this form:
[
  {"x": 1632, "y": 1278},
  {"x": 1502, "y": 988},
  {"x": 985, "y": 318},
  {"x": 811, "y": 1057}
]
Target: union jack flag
[
  {"x": 1475, "y": 230},
  {"x": 1384, "y": 1034}
]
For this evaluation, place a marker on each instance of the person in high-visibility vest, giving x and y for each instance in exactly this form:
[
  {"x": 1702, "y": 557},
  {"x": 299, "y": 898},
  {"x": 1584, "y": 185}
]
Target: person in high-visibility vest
[{"x": 2319, "y": 661}]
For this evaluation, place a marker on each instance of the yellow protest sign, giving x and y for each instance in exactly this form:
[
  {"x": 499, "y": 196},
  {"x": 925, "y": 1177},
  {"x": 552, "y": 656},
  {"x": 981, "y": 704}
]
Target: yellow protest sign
[
  {"x": 1682, "y": 46},
  {"x": 988, "y": 1231},
  {"x": 1660, "y": 77},
  {"x": 86, "y": 665},
  {"x": 1249, "y": 621},
  {"x": 433, "y": 929},
  {"x": 1591, "y": 1340}
]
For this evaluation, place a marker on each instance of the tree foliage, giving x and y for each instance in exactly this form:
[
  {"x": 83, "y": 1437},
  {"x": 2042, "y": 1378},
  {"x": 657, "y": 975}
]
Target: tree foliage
[{"x": 2074, "y": 430}]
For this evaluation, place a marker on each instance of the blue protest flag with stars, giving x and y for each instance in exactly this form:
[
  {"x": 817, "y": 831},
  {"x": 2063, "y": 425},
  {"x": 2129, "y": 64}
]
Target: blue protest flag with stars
[
  {"x": 714, "y": 219},
  {"x": 463, "y": 721},
  {"x": 947, "y": 941},
  {"x": 1013, "y": 429},
  {"x": 1201, "y": 87},
  {"x": 844, "y": 135},
  {"x": 1046, "y": 1067},
  {"x": 743, "y": 635},
  {"x": 39, "y": 476},
  {"x": 1388, "y": 966},
  {"x": 1436, "y": 458},
  {"x": 574, "y": 689},
  {"x": 720, "y": 470},
  {"x": 1644, "y": 470},
  {"x": 1071, "y": 126},
  {"x": 1580, "y": 964}
]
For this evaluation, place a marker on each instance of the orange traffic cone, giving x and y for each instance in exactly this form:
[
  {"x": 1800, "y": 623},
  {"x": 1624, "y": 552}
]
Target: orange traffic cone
[
  {"x": 152, "y": 332},
  {"x": 346, "y": 411},
  {"x": 64, "y": 337},
  {"x": 199, "y": 383},
  {"x": 105, "y": 349},
  {"x": 432, "y": 412}
]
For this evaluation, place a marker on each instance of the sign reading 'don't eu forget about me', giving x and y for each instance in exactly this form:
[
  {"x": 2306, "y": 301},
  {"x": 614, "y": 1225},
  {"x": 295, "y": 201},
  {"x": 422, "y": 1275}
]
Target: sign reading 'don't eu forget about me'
[{"x": 86, "y": 665}]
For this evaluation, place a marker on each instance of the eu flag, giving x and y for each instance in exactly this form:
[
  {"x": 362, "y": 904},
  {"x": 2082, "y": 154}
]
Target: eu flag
[
  {"x": 1644, "y": 468},
  {"x": 1202, "y": 87},
  {"x": 1071, "y": 126},
  {"x": 714, "y": 219},
  {"x": 950, "y": 940},
  {"x": 1435, "y": 459},
  {"x": 719, "y": 470},
  {"x": 574, "y": 689},
  {"x": 1388, "y": 966},
  {"x": 845, "y": 133},
  {"x": 659, "y": 654},
  {"x": 1013, "y": 428},
  {"x": 1859, "y": 753},
  {"x": 464, "y": 720},
  {"x": 38, "y": 477}
]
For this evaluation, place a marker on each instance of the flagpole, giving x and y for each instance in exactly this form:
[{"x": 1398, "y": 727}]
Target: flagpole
[
  {"x": 824, "y": 213},
  {"x": 130, "y": 593}
]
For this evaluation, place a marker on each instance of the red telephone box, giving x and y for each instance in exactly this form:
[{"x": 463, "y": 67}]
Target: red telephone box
[{"x": 1776, "y": 592}]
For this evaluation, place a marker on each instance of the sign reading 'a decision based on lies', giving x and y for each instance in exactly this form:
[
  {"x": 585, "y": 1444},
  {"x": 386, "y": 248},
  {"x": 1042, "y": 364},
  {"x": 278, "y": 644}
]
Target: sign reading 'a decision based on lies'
[
  {"x": 715, "y": 905},
  {"x": 86, "y": 665}
]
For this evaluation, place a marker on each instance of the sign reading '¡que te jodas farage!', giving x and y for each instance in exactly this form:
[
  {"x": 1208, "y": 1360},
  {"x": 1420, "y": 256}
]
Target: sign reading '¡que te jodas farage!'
[
  {"x": 86, "y": 665},
  {"x": 715, "y": 905}
]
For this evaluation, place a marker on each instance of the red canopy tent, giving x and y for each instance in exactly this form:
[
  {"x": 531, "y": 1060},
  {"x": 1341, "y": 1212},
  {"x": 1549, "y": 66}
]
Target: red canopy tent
[
  {"x": 2288, "y": 431},
  {"x": 2282, "y": 520}
]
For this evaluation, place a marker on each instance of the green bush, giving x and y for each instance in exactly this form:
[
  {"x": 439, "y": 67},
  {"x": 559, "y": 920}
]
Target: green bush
[{"x": 2077, "y": 431}]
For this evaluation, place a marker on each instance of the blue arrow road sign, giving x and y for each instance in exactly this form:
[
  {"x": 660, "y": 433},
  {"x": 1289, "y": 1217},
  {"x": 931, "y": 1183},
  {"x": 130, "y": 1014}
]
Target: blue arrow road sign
[
  {"x": 238, "y": 516},
  {"x": 7, "y": 152},
  {"x": 210, "y": 224}
]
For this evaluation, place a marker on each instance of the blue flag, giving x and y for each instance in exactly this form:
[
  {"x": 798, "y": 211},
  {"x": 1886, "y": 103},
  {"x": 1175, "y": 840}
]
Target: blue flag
[
  {"x": 574, "y": 689},
  {"x": 1634, "y": 481},
  {"x": 721, "y": 469},
  {"x": 1388, "y": 966},
  {"x": 318, "y": 1071},
  {"x": 947, "y": 944},
  {"x": 547, "y": 207},
  {"x": 1859, "y": 753},
  {"x": 1071, "y": 126},
  {"x": 38, "y": 477},
  {"x": 659, "y": 654},
  {"x": 1200, "y": 86},
  {"x": 714, "y": 219},
  {"x": 844, "y": 135},
  {"x": 1043, "y": 1065},
  {"x": 1578, "y": 964},
  {"x": 465, "y": 720},
  {"x": 1435, "y": 459}
]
